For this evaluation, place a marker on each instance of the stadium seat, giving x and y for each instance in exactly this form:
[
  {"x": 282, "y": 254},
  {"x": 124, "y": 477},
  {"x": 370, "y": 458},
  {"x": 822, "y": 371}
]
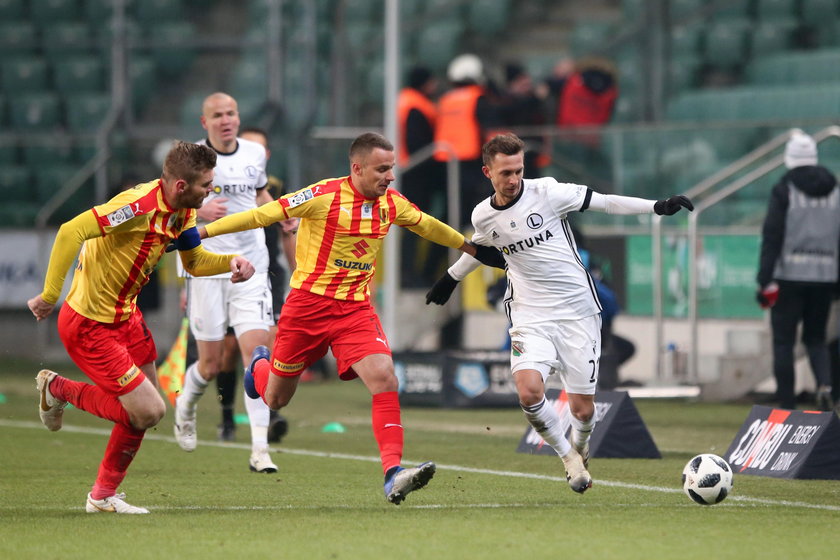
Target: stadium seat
[
  {"x": 772, "y": 36},
  {"x": 15, "y": 183},
  {"x": 12, "y": 10},
  {"x": 682, "y": 73},
  {"x": 805, "y": 67},
  {"x": 589, "y": 37},
  {"x": 441, "y": 10},
  {"x": 151, "y": 13},
  {"x": 366, "y": 11},
  {"x": 45, "y": 11},
  {"x": 438, "y": 44},
  {"x": 190, "y": 117},
  {"x": 62, "y": 39},
  {"x": 687, "y": 39},
  {"x": 85, "y": 112},
  {"x": 726, "y": 43},
  {"x": 141, "y": 75},
  {"x": 24, "y": 74},
  {"x": 49, "y": 180},
  {"x": 488, "y": 17},
  {"x": 732, "y": 9},
  {"x": 17, "y": 37},
  {"x": 767, "y": 10},
  {"x": 8, "y": 146},
  {"x": 38, "y": 155},
  {"x": 632, "y": 11},
  {"x": 105, "y": 32},
  {"x": 171, "y": 51},
  {"x": 682, "y": 10},
  {"x": 79, "y": 74},
  {"x": 249, "y": 76},
  {"x": 816, "y": 12}
]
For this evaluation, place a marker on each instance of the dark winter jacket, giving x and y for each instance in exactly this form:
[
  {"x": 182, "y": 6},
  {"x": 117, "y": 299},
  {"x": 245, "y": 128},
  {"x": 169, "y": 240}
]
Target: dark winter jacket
[{"x": 814, "y": 181}]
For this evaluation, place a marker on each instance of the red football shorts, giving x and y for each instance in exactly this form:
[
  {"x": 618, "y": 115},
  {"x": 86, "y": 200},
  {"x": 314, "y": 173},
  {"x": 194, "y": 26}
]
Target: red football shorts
[
  {"x": 108, "y": 353},
  {"x": 310, "y": 324}
]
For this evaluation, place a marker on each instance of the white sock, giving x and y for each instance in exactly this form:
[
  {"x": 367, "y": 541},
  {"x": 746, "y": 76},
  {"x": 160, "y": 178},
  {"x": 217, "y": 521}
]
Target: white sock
[
  {"x": 581, "y": 431},
  {"x": 258, "y": 416},
  {"x": 546, "y": 422},
  {"x": 194, "y": 386}
]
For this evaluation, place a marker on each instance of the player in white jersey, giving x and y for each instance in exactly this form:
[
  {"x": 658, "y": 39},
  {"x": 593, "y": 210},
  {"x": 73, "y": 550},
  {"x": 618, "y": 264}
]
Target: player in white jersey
[
  {"x": 550, "y": 300},
  {"x": 239, "y": 184}
]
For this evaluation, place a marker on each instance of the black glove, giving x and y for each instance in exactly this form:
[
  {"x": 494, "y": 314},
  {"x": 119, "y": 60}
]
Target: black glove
[
  {"x": 489, "y": 256},
  {"x": 672, "y": 205},
  {"x": 442, "y": 290}
]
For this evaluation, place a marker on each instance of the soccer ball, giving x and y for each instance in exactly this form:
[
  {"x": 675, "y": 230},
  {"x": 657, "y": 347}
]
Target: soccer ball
[{"x": 707, "y": 479}]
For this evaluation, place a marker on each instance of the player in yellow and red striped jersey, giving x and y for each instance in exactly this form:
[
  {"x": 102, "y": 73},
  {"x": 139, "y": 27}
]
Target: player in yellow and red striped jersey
[
  {"x": 343, "y": 223},
  {"x": 118, "y": 244}
]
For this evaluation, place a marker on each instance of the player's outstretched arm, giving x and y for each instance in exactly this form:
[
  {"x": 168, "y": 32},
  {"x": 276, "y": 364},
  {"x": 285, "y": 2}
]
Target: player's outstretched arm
[{"x": 628, "y": 205}]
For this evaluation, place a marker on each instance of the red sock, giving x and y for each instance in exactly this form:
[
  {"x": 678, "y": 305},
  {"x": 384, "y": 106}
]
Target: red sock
[
  {"x": 261, "y": 372},
  {"x": 122, "y": 446},
  {"x": 387, "y": 428},
  {"x": 89, "y": 398}
]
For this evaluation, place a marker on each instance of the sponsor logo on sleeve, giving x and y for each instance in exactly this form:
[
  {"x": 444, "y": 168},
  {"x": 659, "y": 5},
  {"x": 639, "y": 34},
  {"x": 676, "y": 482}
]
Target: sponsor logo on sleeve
[
  {"x": 117, "y": 217},
  {"x": 299, "y": 198}
]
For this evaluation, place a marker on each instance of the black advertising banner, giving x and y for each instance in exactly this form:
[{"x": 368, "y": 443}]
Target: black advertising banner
[
  {"x": 420, "y": 375},
  {"x": 787, "y": 444},
  {"x": 455, "y": 379},
  {"x": 620, "y": 431}
]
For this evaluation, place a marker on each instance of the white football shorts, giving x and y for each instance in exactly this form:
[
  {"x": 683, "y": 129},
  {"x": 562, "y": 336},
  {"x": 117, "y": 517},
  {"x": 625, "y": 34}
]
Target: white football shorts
[
  {"x": 214, "y": 304},
  {"x": 571, "y": 348}
]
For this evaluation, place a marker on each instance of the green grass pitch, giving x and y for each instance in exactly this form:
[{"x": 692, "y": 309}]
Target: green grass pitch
[{"x": 486, "y": 500}]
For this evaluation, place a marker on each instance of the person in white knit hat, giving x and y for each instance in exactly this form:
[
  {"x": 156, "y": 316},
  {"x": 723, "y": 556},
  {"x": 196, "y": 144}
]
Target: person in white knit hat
[{"x": 798, "y": 266}]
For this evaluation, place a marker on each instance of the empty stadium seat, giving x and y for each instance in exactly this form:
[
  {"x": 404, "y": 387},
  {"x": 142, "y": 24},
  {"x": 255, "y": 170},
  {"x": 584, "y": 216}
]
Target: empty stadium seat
[
  {"x": 8, "y": 147},
  {"x": 687, "y": 39},
  {"x": 732, "y": 9},
  {"x": 249, "y": 76},
  {"x": 150, "y": 13},
  {"x": 44, "y": 11},
  {"x": 85, "y": 112},
  {"x": 15, "y": 183},
  {"x": 775, "y": 9},
  {"x": 487, "y": 17},
  {"x": 818, "y": 11},
  {"x": 79, "y": 74},
  {"x": 171, "y": 52},
  {"x": 17, "y": 37},
  {"x": 11, "y": 10},
  {"x": 806, "y": 67},
  {"x": 590, "y": 37},
  {"x": 632, "y": 10},
  {"x": 24, "y": 74},
  {"x": 438, "y": 44},
  {"x": 38, "y": 155},
  {"x": 726, "y": 42},
  {"x": 62, "y": 39},
  {"x": 681, "y": 10},
  {"x": 772, "y": 36}
]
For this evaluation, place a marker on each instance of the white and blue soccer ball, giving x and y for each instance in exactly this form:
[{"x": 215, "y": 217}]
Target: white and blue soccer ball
[{"x": 707, "y": 479}]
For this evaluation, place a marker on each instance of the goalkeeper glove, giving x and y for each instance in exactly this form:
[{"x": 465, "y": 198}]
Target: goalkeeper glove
[
  {"x": 767, "y": 296},
  {"x": 442, "y": 290},
  {"x": 672, "y": 205}
]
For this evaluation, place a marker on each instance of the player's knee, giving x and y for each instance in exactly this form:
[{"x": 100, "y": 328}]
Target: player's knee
[
  {"x": 530, "y": 396},
  {"x": 149, "y": 417}
]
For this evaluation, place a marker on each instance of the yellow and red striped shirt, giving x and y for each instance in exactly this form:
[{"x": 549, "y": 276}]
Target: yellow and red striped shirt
[
  {"x": 135, "y": 228},
  {"x": 340, "y": 233}
]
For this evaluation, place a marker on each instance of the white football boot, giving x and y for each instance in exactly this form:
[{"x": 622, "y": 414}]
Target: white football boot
[
  {"x": 50, "y": 409},
  {"x": 576, "y": 473},
  {"x": 111, "y": 504},
  {"x": 261, "y": 462},
  {"x": 185, "y": 427}
]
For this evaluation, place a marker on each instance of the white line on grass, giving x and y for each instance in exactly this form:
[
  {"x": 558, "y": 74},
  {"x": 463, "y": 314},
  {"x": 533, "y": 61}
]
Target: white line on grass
[{"x": 458, "y": 468}]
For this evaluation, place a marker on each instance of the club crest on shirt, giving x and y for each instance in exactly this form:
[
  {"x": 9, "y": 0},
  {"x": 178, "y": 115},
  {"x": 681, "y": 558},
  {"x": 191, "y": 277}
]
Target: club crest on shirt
[
  {"x": 251, "y": 172},
  {"x": 517, "y": 348},
  {"x": 513, "y": 226},
  {"x": 117, "y": 217},
  {"x": 300, "y": 197},
  {"x": 367, "y": 210},
  {"x": 534, "y": 221}
]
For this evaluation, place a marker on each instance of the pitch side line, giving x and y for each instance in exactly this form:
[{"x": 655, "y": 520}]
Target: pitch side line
[{"x": 457, "y": 468}]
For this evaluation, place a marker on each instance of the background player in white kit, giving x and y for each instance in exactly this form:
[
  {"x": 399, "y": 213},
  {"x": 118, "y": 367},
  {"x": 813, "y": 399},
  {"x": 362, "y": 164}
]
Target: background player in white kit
[
  {"x": 239, "y": 184},
  {"x": 550, "y": 300}
]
